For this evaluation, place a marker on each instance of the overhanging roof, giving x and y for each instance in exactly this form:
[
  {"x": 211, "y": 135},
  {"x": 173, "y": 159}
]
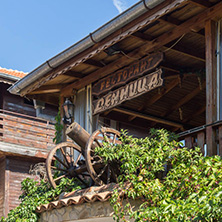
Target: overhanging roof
[
  {"x": 174, "y": 27},
  {"x": 91, "y": 40}
]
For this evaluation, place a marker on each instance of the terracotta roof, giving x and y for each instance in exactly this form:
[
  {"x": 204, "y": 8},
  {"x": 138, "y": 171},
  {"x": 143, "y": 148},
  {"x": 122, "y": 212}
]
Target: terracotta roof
[
  {"x": 92, "y": 194},
  {"x": 12, "y": 72}
]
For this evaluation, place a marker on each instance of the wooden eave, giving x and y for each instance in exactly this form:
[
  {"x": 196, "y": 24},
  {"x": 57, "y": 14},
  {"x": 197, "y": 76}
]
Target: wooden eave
[{"x": 179, "y": 33}]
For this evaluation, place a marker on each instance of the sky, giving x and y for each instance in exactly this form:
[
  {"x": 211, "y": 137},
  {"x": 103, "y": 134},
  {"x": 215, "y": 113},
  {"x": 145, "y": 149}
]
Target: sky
[{"x": 33, "y": 31}]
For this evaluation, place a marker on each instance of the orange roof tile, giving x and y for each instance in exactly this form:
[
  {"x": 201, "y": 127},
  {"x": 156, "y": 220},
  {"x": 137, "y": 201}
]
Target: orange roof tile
[
  {"x": 12, "y": 72},
  {"x": 91, "y": 194}
]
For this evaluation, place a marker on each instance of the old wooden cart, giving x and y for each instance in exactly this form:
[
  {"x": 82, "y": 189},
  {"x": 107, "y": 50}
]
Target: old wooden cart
[{"x": 78, "y": 160}]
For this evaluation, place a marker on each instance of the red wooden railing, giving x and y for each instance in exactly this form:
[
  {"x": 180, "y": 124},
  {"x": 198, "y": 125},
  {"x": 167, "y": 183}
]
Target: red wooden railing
[
  {"x": 26, "y": 130},
  {"x": 197, "y": 137}
]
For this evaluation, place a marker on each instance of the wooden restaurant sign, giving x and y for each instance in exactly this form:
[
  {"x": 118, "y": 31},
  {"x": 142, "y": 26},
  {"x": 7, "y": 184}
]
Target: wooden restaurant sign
[
  {"x": 131, "y": 90},
  {"x": 125, "y": 75}
]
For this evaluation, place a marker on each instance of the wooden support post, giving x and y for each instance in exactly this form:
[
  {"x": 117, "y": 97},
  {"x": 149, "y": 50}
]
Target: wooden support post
[
  {"x": 201, "y": 141},
  {"x": 220, "y": 140},
  {"x": 211, "y": 86},
  {"x": 189, "y": 142}
]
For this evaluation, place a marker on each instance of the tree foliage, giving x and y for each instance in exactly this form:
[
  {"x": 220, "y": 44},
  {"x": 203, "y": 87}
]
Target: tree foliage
[{"x": 173, "y": 183}]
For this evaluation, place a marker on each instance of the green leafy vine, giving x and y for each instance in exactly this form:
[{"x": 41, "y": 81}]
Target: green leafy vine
[
  {"x": 58, "y": 128},
  {"x": 172, "y": 183},
  {"x": 35, "y": 194}
]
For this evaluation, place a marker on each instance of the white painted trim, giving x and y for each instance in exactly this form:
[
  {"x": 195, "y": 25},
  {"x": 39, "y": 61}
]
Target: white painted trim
[{"x": 88, "y": 113}]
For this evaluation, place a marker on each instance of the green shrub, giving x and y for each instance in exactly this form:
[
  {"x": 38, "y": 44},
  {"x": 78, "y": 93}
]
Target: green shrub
[
  {"x": 35, "y": 194},
  {"x": 174, "y": 184}
]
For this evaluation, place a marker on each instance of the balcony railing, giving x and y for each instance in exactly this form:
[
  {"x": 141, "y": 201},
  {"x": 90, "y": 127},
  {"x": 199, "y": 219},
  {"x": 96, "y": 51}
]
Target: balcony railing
[
  {"x": 197, "y": 137},
  {"x": 26, "y": 130}
]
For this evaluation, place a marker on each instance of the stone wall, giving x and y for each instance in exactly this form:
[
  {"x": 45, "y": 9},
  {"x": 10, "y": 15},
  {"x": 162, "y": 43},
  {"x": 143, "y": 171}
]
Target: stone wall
[
  {"x": 86, "y": 212},
  {"x": 77, "y": 212}
]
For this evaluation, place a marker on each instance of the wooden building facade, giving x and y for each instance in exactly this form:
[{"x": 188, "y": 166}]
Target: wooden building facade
[
  {"x": 158, "y": 64},
  {"x": 24, "y": 140}
]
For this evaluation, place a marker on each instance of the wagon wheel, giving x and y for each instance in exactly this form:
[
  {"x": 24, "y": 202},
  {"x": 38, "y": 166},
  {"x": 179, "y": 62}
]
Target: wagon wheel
[
  {"x": 66, "y": 160},
  {"x": 101, "y": 173}
]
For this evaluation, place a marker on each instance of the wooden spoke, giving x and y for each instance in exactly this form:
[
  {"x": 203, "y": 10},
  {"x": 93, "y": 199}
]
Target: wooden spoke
[
  {"x": 78, "y": 158},
  {"x": 70, "y": 170},
  {"x": 58, "y": 169},
  {"x": 100, "y": 173},
  {"x": 59, "y": 178},
  {"x": 114, "y": 174},
  {"x": 82, "y": 180},
  {"x": 114, "y": 139},
  {"x": 63, "y": 153},
  {"x": 97, "y": 142},
  {"x": 108, "y": 175},
  {"x": 105, "y": 137},
  {"x": 85, "y": 174},
  {"x": 97, "y": 156},
  {"x": 71, "y": 155},
  {"x": 60, "y": 161}
]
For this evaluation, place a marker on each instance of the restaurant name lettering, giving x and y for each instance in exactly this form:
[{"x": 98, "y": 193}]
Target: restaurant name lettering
[
  {"x": 129, "y": 91},
  {"x": 123, "y": 76}
]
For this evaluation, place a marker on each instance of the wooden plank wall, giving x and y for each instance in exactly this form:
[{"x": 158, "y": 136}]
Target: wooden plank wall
[
  {"x": 1, "y": 96},
  {"x": 18, "y": 170},
  {"x": 28, "y": 132},
  {"x": 19, "y": 125},
  {"x": 15, "y": 103},
  {"x": 21, "y": 105},
  {"x": 135, "y": 131},
  {"x": 2, "y": 185}
]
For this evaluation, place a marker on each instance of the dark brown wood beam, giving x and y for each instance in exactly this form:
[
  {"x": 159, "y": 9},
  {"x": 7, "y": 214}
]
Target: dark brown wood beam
[
  {"x": 169, "y": 67},
  {"x": 197, "y": 113},
  {"x": 47, "y": 98},
  {"x": 117, "y": 118},
  {"x": 169, "y": 20},
  {"x": 211, "y": 86},
  {"x": 168, "y": 87},
  {"x": 94, "y": 63},
  {"x": 178, "y": 48},
  {"x": 194, "y": 54},
  {"x": 192, "y": 116},
  {"x": 148, "y": 117},
  {"x": 187, "y": 26},
  {"x": 107, "y": 112},
  {"x": 185, "y": 99},
  {"x": 196, "y": 21},
  {"x": 201, "y": 3},
  {"x": 48, "y": 89},
  {"x": 200, "y": 34},
  {"x": 142, "y": 36},
  {"x": 74, "y": 74}
]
